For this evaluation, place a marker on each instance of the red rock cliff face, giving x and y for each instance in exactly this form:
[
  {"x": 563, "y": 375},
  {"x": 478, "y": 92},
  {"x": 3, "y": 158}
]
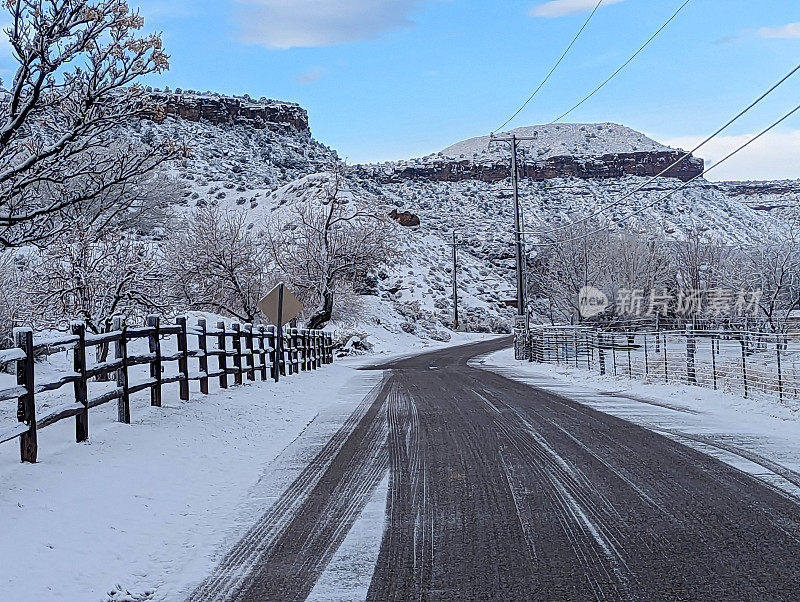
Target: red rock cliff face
[
  {"x": 226, "y": 110},
  {"x": 646, "y": 164}
]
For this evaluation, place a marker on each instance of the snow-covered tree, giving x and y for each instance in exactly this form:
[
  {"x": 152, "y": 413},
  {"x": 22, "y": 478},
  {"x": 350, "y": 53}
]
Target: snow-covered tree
[
  {"x": 60, "y": 147},
  {"x": 326, "y": 240},
  {"x": 92, "y": 276},
  {"x": 770, "y": 272},
  {"x": 215, "y": 262}
]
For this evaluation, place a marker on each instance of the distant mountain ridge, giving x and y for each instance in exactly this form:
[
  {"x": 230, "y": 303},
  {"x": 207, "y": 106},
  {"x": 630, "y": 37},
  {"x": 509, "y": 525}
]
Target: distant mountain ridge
[{"x": 244, "y": 157}]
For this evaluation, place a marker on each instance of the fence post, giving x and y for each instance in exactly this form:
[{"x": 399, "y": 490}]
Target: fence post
[
  {"x": 237, "y": 353},
  {"x": 575, "y": 344},
  {"x": 154, "y": 340},
  {"x": 714, "y": 361},
  {"x": 80, "y": 387},
  {"x": 601, "y": 354},
  {"x": 630, "y": 339},
  {"x": 290, "y": 350},
  {"x": 666, "y": 370},
  {"x": 263, "y": 352},
  {"x": 614, "y": 350},
  {"x": 306, "y": 349},
  {"x": 222, "y": 358},
  {"x": 202, "y": 345},
  {"x": 249, "y": 359},
  {"x": 646, "y": 359},
  {"x": 744, "y": 365},
  {"x": 183, "y": 361},
  {"x": 691, "y": 348},
  {"x": 273, "y": 353},
  {"x": 121, "y": 353},
  {"x": 778, "y": 345},
  {"x": 26, "y": 406}
]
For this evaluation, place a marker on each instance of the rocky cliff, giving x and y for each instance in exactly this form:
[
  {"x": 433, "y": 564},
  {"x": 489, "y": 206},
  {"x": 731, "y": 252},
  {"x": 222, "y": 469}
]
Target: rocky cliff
[
  {"x": 616, "y": 165},
  {"x": 229, "y": 110}
]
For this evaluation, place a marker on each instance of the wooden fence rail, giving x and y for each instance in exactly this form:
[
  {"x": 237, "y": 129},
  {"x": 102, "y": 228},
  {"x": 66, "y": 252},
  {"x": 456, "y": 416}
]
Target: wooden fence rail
[{"x": 252, "y": 350}]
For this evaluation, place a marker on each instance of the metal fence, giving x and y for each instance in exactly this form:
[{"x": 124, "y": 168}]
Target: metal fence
[{"x": 752, "y": 364}]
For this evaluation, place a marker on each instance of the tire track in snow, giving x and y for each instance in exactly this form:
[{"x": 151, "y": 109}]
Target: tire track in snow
[{"x": 283, "y": 554}]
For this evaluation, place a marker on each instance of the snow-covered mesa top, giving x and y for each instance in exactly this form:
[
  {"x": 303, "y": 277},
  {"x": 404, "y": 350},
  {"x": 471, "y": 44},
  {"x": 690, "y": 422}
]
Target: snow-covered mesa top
[{"x": 561, "y": 139}]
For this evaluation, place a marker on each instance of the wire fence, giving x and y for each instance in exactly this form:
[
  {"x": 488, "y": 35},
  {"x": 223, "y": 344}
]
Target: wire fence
[{"x": 747, "y": 363}]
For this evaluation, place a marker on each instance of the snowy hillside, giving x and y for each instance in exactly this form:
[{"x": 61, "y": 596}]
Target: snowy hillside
[
  {"x": 561, "y": 139},
  {"x": 261, "y": 169}
]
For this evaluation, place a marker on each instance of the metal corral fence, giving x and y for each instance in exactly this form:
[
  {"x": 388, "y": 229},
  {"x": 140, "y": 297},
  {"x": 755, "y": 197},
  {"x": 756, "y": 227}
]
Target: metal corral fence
[
  {"x": 752, "y": 364},
  {"x": 241, "y": 351}
]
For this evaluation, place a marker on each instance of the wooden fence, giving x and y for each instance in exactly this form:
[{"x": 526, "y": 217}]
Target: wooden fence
[{"x": 240, "y": 351}]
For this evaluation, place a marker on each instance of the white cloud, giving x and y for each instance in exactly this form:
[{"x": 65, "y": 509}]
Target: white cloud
[
  {"x": 310, "y": 76},
  {"x": 771, "y": 157},
  {"x": 313, "y": 23},
  {"x": 790, "y": 30},
  {"x": 560, "y": 8}
]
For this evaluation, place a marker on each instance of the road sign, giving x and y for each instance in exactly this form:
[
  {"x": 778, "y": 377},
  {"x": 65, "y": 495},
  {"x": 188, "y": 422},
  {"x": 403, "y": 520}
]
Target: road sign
[
  {"x": 280, "y": 305},
  {"x": 521, "y": 322}
]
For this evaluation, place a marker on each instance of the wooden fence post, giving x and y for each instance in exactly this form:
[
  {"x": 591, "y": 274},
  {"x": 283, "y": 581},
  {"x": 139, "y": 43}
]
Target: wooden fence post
[
  {"x": 202, "y": 345},
  {"x": 249, "y": 359},
  {"x": 121, "y": 353},
  {"x": 780, "y": 368},
  {"x": 222, "y": 358},
  {"x": 237, "y": 353},
  {"x": 273, "y": 353},
  {"x": 80, "y": 387},
  {"x": 263, "y": 352},
  {"x": 714, "y": 361},
  {"x": 303, "y": 350},
  {"x": 183, "y": 360},
  {"x": 154, "y": 341},
  {"x": 26, "y": 406},
  {"x": 646, "y": 359},
  {"x": 744, "y": 365}
]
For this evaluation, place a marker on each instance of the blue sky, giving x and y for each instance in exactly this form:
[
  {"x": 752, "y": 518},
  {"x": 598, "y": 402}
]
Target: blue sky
[{"x": 389, "y": 79}]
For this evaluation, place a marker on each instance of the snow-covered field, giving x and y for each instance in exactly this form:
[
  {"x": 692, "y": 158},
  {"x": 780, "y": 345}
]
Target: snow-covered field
[{"x": 758, "y": 436}]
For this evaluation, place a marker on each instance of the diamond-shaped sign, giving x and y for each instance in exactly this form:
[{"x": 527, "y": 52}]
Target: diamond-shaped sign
[{"x": 280, "y": 305}]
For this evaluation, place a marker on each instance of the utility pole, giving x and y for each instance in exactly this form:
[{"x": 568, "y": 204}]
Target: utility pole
[
  {"x": 455, "y": 244},
  {"x": 519, "y": 244}
]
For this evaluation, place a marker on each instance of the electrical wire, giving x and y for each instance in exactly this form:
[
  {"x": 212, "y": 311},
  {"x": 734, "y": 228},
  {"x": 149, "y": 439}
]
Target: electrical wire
[
  {"x": 680, "y": 160},
  {"x": 625, "y": 64},
  {"x": 550, "y": 73},
  {"x": 684, "y": 185}
]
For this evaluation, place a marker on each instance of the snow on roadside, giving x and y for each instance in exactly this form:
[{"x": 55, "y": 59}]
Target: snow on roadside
[
  {"x": 757, "y": 436},
  {"x": 142, "y": 508}
]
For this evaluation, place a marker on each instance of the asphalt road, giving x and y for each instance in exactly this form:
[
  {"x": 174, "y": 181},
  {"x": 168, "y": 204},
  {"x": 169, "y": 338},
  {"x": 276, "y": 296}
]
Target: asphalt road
[{"x": 499, "y": 491}]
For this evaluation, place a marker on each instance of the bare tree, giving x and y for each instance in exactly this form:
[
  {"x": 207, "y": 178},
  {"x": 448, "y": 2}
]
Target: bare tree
[
  {"x": 327, "y": 241},
  {"x": 92, "y": 277},
  {"x": 75, "y": 84},
  {"x": 770, "y": 272},
  {"x": 601, "y": 259},
  {"x": 216, "y": 263}
]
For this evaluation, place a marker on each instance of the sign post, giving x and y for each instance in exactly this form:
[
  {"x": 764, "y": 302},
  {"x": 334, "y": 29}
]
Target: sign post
[{"x": 280, "y": 306}]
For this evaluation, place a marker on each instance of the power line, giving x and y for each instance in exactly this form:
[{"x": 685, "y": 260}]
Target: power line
[
  {"x": 685, "y": 184},
  {"x": 625, "y": 64},
  {"x": 545, "y": 80},
  {"x": 680, "y": 160}
]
